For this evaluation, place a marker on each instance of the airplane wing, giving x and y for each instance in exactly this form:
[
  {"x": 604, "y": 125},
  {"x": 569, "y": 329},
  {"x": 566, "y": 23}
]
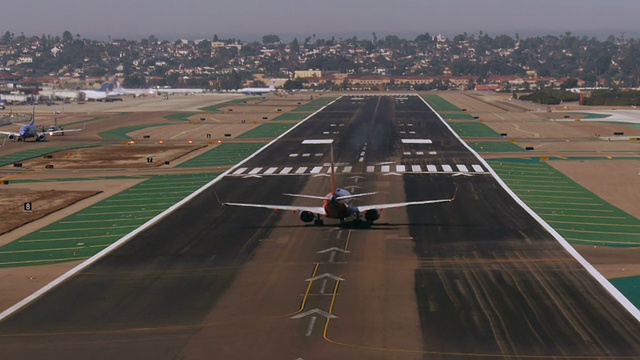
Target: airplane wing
[
  {"x": 403, "y": 204},
  {"x": 9, "y": 133},
  {"x": 313, "y": 209},
  {"x": 62, "y": 131}
]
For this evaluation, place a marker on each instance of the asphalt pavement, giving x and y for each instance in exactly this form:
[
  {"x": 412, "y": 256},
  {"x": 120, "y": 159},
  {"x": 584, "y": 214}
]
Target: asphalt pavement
[{"x": 474, "y": 278}]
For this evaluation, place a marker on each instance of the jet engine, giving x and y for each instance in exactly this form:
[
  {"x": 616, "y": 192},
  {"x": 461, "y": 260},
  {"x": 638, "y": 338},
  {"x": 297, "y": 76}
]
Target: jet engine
[
  {"x": 307, "y": 216},
  {"x": 12, "y": 137},
  {"x": 41, "y": 137},
  {"x": 372, "y": 215}
]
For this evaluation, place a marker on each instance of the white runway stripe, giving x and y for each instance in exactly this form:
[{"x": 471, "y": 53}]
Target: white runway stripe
[{"x": 340, "y": 168}]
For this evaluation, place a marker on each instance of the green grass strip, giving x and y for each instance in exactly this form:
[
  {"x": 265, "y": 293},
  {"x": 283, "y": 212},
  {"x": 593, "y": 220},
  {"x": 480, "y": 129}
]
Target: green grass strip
[
  {"x": 83, "y": 234},
  {"x": 439, "y": 104},
  {"x": 85, "y": 121},
  {"x": 223, "y": 155},
  {"x": 629, "y": 287},
  {"x": 494, "y": 146},
  {"x": 266, "y": 131},
  {"x": 456, "y": 116},
  {"x": 179, "y": 116},
  {"x": 121, "y": 133},
  {"x": 473, "y": 129},
  {"x": 217, "y": 107},
  {"x": 292, "y": 116},
  {"x": 590, "y": 115},
  {"x": 579, "y": 215},
  {"x": 32, "y": 153}
]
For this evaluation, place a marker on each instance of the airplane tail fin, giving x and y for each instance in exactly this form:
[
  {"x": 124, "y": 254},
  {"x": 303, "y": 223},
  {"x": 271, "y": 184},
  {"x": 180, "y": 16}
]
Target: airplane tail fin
[
  {"x": 333, "y": 173},
  {"x": 105, "y": 87},
  {"x": 33, "y": 115},
  {"x": 273, "y": 85}
]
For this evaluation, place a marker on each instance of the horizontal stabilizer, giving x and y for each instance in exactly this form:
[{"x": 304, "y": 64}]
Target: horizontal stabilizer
[{"x": 307, "y": 196}]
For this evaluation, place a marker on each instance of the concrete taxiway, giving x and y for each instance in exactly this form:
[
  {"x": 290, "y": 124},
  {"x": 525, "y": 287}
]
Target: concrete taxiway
[{"x": 475, "y": 278}]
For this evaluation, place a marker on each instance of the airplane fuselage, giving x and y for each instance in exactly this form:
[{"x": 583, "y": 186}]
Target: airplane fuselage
[{"x": 335, "y": 208}]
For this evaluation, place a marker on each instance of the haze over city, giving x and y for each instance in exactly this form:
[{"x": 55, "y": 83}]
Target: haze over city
[{"x": 250, "y": 19}]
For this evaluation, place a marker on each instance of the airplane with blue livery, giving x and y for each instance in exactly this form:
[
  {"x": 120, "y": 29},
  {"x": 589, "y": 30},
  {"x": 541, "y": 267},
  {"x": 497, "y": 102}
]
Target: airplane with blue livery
[{"x": 30, "y": 130}]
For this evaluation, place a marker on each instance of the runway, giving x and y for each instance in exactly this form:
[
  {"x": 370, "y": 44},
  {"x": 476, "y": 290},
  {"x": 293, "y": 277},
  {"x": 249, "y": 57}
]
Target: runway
[{"x": 475, "y": 278}]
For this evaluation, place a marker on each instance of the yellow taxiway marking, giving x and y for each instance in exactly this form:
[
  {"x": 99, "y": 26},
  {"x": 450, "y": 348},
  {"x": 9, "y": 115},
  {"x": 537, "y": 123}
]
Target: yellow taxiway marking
[
  {"x": 306, "y": 294},
  {"x": 9, "y": 177},
  {"x": 325, "y": 336}
]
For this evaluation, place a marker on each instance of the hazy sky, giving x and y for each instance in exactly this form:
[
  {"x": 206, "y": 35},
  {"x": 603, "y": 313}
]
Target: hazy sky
[{"x": 250, "y": 19}]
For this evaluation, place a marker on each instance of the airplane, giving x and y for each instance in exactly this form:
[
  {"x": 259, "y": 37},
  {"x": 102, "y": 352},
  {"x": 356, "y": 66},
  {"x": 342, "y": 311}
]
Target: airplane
[
  {"x": 101, "y": 94},
  {"x": 30, "y": 130},
  {"x": 135, "y": 92},
  {"x": 337, "y": 204},
  {"x": 58, "y": 130},
  {"x": 184, "y": 91},
  {"x": 258, "y": 90}
]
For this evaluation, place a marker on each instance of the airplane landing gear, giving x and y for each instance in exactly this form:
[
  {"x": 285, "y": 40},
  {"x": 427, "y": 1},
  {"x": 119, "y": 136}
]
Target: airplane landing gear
[{"x": 318, "y": 221}]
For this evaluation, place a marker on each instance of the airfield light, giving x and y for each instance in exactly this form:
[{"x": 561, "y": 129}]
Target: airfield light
[
  {"x": 160, "y": 142},
  {"x": 190, "y": 141},
  {"x": 219, "y": 141}
]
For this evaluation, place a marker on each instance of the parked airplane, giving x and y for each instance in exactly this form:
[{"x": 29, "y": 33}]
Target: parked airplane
[
  {"x": 30, "y": 130},
  {"x": 101, "y": 94},
  {"x": 337, "y": 205},
  {"x": 258, "y": 90},
  {"x": 135, "y": 92},
  {"x": 185, "y": 91}
]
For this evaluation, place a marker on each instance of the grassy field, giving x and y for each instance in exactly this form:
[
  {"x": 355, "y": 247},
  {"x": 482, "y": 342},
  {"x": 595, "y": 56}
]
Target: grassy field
[
  {"x": 473, "y": 129},
  {"x": 266, "y": 131},
  {"x": 223, "y": 155},
  {"x": 577, "y": 214},
  {"x": 32, "y": 153},
  {"x": 121, "y": 133},
  {"x": 85, "y": 233}
]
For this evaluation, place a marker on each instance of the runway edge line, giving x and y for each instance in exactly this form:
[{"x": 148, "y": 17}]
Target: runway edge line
[
  {"x": 43, "y": 290},
  {"x": 632, "y": 309}
]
